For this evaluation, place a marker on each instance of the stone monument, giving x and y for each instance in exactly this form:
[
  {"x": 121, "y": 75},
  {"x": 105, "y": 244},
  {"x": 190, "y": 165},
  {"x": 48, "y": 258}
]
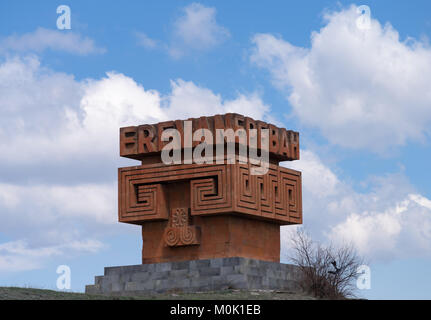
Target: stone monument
[{"x": 209, "y": 194}]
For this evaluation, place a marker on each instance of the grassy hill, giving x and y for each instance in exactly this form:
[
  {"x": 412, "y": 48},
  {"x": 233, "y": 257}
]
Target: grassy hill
[{"x": 15, "y": 293}]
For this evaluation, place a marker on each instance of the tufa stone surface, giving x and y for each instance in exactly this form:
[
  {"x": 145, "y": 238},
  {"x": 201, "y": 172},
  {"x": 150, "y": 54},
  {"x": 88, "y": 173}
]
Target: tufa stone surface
[{"x": 193, "y": 211}]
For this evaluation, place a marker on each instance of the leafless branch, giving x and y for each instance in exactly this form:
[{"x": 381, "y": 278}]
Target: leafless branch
[{"x": 328, "y": 271}]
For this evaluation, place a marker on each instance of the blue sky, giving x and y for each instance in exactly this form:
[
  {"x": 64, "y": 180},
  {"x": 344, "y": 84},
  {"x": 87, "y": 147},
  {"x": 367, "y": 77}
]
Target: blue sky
[{"x": 360, "y": 98}]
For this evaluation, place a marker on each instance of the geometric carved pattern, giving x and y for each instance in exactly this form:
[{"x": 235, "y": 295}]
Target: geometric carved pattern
[
  {"x": 143, "y": 202},
  {"x": 179, "y": 232},
  {"x": 273, "y": 196},
  {"x": 214, "y": 189},
  {"x": 135, "y": 182},
  {"x": 211, "y": 195}
]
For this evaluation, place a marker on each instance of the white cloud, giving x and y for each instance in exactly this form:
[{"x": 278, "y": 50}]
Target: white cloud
[
  {"x": 145, "y": 41},
  {"x": 18, "y": 255},
  {"x": 388, "y": 221},
  {"x": 46, "y": 39},
  {"x": 197, "y": 29},
  {"x": 41, "y": 204},
  {"x": 361, "y": 88},
  {"x": 54, "y": 220},
  {"x": 189, "y": 100},
  {"x": 81, "y": 119},
  {"x": 403, "y": 230},
  {"x": 327, "y": 184}
]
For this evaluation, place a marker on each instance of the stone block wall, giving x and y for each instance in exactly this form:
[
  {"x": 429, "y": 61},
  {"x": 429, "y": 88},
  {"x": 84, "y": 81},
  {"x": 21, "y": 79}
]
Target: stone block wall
[{"x": 197, "y": 276}]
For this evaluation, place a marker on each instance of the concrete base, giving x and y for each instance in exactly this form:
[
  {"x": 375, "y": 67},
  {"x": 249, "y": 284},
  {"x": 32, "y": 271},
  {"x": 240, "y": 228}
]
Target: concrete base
[{"x": 197, "y": 276}]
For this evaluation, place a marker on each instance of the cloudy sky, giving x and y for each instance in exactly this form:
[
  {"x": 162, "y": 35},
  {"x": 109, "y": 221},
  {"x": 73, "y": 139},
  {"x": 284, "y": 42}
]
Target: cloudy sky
[{"x": 360, "y": 96}]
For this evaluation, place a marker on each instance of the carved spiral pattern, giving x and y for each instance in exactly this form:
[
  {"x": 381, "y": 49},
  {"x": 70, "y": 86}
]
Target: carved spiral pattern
[
  {"x": 171, "y": 236},
  {"x": 187, "y": 235}
]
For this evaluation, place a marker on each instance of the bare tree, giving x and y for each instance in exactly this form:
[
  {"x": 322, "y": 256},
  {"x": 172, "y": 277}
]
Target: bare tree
[{"x": 328, "y": 271}]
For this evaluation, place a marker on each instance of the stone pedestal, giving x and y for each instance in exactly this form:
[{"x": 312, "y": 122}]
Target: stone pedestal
[{"x": 197, "y": 276}]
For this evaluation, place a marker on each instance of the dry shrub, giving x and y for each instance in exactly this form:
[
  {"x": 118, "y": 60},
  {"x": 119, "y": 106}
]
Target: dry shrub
[{"x": 328, "y": 272}]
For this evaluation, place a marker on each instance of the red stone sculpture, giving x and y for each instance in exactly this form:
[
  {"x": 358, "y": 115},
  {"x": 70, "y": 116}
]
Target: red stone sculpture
[{"x": 192, "y": 211}]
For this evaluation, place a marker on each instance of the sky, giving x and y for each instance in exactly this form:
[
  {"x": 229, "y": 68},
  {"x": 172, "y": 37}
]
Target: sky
[{"x": 357, "y": 90}]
